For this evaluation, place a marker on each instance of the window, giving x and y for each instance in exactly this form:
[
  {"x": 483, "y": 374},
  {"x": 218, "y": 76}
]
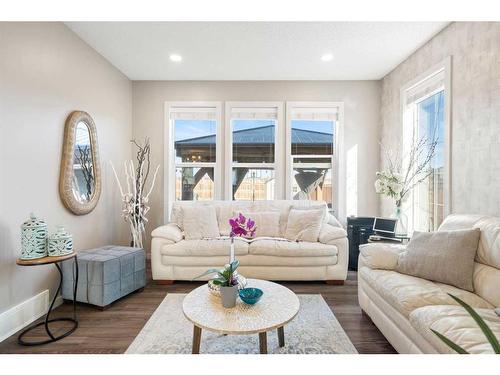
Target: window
[
  {"x": 251, "y": 150},
  {"x": 249, "y": 147},
  {"x": 193, "y": 132},
  {"x": 425, "y": 117},
  {"x": 312, "y": 152}
]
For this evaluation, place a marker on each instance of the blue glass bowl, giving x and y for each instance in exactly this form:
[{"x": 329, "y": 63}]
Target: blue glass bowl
[{"x": 250, "y": 295}]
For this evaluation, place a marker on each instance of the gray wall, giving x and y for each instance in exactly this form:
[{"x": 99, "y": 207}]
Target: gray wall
[
  {"x": 475, "y": 113},
  {"x": 362, "y": 108},
  {"x": 46, "y": 72}
]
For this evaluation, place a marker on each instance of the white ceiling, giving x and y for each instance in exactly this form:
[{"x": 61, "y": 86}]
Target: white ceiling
[{"x": 256, "y": 50}]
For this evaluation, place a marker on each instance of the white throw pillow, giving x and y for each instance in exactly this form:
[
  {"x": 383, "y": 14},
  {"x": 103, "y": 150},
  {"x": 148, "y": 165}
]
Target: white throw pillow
[
  {"x": 199, "y": 222},
  {"x": 267, "y": 222},
  {"x": 304, "y": 225}
]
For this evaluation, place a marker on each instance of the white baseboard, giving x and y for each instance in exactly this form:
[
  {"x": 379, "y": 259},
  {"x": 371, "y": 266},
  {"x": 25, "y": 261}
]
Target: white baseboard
[{"x": 25, "y": 313}]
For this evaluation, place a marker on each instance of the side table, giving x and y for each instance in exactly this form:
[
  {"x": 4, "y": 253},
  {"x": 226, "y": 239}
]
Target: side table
[{"x": 51, "y": 260}]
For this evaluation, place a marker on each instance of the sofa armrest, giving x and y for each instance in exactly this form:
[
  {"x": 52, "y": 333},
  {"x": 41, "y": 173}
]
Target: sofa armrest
[
  {"x": 171, "y": 232},
  {"x": 330, "y": 233},
  {"x": 380, "y": 256}
]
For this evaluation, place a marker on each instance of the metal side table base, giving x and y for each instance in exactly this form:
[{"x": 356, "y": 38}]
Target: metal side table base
[{"x": 52, "y": 337}]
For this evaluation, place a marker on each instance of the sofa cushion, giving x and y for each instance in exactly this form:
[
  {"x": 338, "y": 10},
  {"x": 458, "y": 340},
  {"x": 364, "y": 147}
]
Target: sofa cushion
[
  {"x": 380, "y": 255},
  {"x": 170, "y": 232},
  {"x": 284, "y": 248},
  {"x": 204, "y": 248},
  {"x": 407, "y": 293},
  {"x": 457, "y": 325},
  {"x": 250, "y": 261},
  {"x": 266, "y": 222},
  {"x": 304, "y": 224},
  {"x": 225, "y": 211},
  {"x": 199, "y": 222},
  {"x": 487, "y": 268},
  {"x": 330, "y": 233},
  {"x": 488, "y": 251},
  {"x": 486, "y": 283},
  {"x": 443, "y": 256}
]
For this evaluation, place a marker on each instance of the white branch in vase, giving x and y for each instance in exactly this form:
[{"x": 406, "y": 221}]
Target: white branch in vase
[{"x": 134, "y": 202}]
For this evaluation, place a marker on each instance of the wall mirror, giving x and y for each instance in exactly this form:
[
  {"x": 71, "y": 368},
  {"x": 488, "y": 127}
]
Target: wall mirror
[{"x": 80, "y": 180}]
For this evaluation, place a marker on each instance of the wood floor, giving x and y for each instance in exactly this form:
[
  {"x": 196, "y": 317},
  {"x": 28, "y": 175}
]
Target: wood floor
[{"x": 113, "y": 330}]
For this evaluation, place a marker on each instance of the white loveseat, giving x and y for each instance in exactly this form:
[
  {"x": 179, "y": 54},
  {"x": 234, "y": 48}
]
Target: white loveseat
[
  {"x": 175, "y": 258},
  {"x": 405, "y": 308}
]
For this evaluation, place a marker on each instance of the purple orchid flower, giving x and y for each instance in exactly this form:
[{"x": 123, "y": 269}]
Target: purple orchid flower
[
  {"x": 242, "y": 218},
  {"x": 242, "y": 227}
]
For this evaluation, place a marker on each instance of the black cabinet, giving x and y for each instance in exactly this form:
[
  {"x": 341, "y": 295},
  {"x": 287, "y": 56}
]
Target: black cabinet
[{"x": 359, "y": 229}]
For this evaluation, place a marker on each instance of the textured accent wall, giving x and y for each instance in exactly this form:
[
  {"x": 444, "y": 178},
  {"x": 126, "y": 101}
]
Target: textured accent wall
[{"x": 475, "y": 112}]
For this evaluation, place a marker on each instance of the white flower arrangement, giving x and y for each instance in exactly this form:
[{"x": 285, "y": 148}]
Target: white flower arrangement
[
  {"x": 400, "y": 178},
  {"x": 389, "y": 184}
]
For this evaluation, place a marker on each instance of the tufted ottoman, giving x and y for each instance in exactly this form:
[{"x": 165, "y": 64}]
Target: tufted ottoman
[{"x": 105, "y": 274}]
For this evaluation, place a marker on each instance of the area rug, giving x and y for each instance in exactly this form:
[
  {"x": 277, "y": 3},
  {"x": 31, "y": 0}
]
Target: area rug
[{"x": 315, "y": 330}]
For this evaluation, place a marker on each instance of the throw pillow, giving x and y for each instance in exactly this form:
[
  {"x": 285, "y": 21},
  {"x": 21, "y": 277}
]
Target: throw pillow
[
  {"x": 304, "y": 225},
  {"x": 199, "y": 222},
  {"x": 444, "y": 256},
  {"x": 267, "y": 222}
]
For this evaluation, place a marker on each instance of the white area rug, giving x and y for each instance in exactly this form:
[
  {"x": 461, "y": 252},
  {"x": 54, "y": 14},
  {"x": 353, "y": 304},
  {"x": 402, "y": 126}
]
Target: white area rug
[{"x": 315, "y": 330}]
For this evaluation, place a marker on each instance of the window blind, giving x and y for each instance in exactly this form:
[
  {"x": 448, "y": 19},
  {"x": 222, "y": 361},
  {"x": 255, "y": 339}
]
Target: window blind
[
  {"x": 312, "y": 113},
  {"x": 425, "y": 88},
  {"x": 191, "y": 113},
  {"x": 249, "y": 113}
]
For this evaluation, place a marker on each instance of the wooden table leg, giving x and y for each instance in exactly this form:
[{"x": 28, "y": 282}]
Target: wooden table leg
[
  {"x": 263, "y": 342},
  {"x": 196, "y": 340},
  {"x": 281, "y": 336}
]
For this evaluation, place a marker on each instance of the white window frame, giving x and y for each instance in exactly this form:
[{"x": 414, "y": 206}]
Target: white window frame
[
  {"x": 278, "y": 157},
  {"x": 169, "y": 153},
  {"x": 408, "y": 123},
  {"x": 337, "y": 159}
]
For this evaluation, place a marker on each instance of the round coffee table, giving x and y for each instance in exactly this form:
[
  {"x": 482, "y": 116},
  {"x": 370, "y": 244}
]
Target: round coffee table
[{"x": 277, "y": 307}]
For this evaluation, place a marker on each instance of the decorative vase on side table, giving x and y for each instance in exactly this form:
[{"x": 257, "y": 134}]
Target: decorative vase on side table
[
  {"x": 60, "y": 243},
  {"x": 33, "y": 238}
]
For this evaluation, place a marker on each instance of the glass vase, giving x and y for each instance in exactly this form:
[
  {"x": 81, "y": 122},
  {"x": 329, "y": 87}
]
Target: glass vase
[{"x": 402, "y": 221}]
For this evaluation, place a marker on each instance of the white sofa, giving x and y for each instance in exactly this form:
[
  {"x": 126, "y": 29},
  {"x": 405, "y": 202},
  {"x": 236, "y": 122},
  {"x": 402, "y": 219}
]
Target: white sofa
[
  {"x": 404, "y": 308},
  {"x": 174, "y": 258}
]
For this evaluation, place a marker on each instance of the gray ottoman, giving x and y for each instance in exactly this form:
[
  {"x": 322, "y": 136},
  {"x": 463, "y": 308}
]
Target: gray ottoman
[{"x": 105, "y": 274}]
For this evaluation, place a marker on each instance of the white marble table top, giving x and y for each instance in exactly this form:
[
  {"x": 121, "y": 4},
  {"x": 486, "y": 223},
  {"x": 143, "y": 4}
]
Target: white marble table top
[{"x": 278, "y": 306}]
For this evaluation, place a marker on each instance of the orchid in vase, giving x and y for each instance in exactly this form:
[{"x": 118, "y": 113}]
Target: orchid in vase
[
  {"x": 227, "y": 281},
  {"x": 240, "y": 227}
]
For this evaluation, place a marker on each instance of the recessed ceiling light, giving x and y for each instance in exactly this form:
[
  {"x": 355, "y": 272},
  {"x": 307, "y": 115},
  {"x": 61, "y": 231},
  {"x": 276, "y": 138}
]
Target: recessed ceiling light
[
  {"x": 175, "y": 58},
  {"x": 327, "y": 57}
]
